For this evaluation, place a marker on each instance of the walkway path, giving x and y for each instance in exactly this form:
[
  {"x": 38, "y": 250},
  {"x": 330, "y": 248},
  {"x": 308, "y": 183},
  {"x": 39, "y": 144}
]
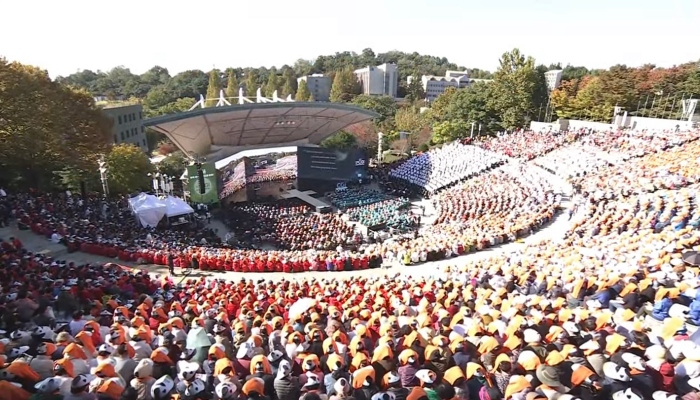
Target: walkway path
[{"x": 554, "y": 231}]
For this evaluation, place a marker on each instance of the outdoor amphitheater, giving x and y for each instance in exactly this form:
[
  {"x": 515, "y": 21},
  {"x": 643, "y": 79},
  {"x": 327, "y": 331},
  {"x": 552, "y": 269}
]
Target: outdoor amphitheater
[{"x": 555, "y": 265}]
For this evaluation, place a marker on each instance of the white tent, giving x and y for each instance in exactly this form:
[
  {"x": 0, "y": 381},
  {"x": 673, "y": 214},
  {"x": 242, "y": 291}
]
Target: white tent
[
  {"x": 176, "y": 207},
  {"x": 148, "y": 209}
]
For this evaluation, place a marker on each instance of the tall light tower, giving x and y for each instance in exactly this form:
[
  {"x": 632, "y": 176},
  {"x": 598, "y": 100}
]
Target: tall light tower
[{"x": 103, "y": 175}]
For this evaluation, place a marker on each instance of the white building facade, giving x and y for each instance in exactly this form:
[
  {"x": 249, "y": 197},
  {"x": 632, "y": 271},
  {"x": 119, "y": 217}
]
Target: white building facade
[
  {"x": 434, "y": 86},
  {"x": 380, "y": 80},
  {"x": 553, "y": 78},
  {"x": 319, "y": 85}
]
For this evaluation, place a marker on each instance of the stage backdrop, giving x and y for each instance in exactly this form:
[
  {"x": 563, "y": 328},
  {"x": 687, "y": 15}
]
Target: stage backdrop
[
  {"x": 331, "y": 165},
  {"x": 211, "y": 192}
]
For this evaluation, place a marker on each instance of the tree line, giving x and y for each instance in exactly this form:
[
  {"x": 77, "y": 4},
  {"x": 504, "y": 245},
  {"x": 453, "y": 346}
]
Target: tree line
[{"x": 53, "y": 134}]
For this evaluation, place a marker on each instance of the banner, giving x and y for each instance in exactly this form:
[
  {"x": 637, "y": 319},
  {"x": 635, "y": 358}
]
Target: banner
[{"x": 211, "y": 192}]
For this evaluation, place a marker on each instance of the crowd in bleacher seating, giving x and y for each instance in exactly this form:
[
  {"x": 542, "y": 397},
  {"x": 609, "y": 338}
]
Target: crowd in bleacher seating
[
  {"x": 445, "y": 166},
  {"x": 529, "y": 144},
  {"x": 289, "y": 224},
  {"x": 496, "y": 207},
  {"x": 354, "y": 197},
  {"x": 607, "y": 312},
  {"x": 393, "y": 213}
]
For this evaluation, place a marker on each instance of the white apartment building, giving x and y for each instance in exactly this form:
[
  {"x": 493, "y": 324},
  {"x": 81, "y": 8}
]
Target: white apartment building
[
  {"x": 380, "y": 80},
  {"x": 553, "y": 78}
]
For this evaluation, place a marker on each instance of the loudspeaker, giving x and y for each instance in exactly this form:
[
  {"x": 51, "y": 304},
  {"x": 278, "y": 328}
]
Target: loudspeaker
[{"x": 200, "y": 176}]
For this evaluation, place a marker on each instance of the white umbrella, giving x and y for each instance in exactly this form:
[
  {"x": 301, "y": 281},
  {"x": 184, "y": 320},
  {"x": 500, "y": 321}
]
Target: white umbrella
[{"x": 301, "y": 306}]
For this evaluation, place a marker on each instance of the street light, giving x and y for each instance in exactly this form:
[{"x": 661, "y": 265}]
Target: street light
[{"x": 103, "y": 175}]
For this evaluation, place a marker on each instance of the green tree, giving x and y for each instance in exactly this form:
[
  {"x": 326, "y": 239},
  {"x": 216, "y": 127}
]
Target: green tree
[
  {"x": 213, "y": 88},
  {"x": 342, "y": 141},
  {"x": 303, "y": 93},
  {"x": 157, "y": 97},
  {"x": 385, "y": 106},
  {"x": 290, "y": 83},
  {"x": 414, "y": 90},
  {"x": 472, "y": 104},
  {"x": 177, "y": 106},
  {"x": 65, "y": 131},
  {"x": 345, "y": 86},
  {"x": 408, "y": 119},
  {"x": 251, "y": 83},
  {"x": 513, "y": 89},
  {"x": 174, "y": 164},
  {"x": 127, "y": 169},
  {"x": 271, "y": 85},
  {"x": 232, "y": 87},
  {"x": 447, "y": 131}
]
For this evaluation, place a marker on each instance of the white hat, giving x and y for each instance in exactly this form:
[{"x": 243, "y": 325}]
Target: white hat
[
  {"x": 162, "y": 387},
  {"x": 194, "y": 388},
  {"x": 384, "y": 396},
  {"x": 225, "y": 390},
  {"x": 81, "y": 381},
  {"x": 48, "y": 385},
  {"x": 188, "y": 370},
  {"x": 311, "y": 380},
  {"x": 531, "y": 336},
  {"x": 426, "y": 376},
  {"x": 663, "y": 395},
  {"x": 105, "y": 348},
  {"x": 18, "y": 351},
  {"x": 393, "y": 377}
]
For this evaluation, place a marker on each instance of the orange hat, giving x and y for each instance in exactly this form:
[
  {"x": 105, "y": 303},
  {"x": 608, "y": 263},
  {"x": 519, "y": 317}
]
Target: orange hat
[
  {"x": 381, "y": 353},
  {"x": 517, "y": 384},
  {"x": 554, "y": 358},
  {"x": 22, "y": 370},
  {"x": 503, "y": 357},
  {"x": 488, "y": 343},
  {"x": 85, "y": 339},
  {"x": 363, "y": 376},
  {"x": 74, "y": 351},
  {"x": 218, "y": 351},
  {"x": 453, "y": 374},
  {"x": 221, "y": 365},
  {"x": 111, "y": 388},
  {"x": 160, "y": 355},
  {"x": 580, "y": 374},
  {"x": 334, "y": 362},
  {"x": 64, "y": 364},
  {"x": 417, "y": 394},
  {"x": 9, "y": 391},
  {"x": 105, "y": 370},
  {"x": 254, "y": 385},
  {"x": 406, "y": 355},
  {"x": 260, "y": 359}
]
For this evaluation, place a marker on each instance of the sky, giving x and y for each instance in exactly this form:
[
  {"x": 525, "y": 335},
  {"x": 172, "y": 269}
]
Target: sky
[{"x": 66, "y": 36}]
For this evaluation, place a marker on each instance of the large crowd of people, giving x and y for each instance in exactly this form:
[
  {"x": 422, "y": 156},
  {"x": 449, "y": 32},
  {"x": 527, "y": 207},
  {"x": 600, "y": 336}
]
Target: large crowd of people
[
  {"x": 529, "y": 144},
  {"x": 444, "y": 166},
  {"x": 609, "y": 311},
  {"x": 394, "y": 213}
]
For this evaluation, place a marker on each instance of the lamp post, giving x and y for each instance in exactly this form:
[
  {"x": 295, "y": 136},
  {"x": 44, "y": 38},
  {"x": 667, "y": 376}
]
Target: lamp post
[{"x": 103, "y": 175}]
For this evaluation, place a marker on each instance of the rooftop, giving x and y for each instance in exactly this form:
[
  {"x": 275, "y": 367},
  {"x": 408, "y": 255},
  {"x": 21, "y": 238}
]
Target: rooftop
[{"x": 220, "y": 132}]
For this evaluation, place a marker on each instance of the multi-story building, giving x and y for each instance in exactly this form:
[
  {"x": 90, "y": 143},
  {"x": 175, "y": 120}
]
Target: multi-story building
[
  {"x": 380, "y": 80},
  {"x": 319, "y": 86},
  {"x": 553, "y": 78},
  {"x": 434, "y": 86},
  {"x": 127, "y": 124}
]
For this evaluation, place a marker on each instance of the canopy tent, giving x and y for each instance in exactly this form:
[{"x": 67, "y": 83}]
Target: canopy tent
[
  {"x": 176, "y": 207},
  {"x": 148, "y": 209}
]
